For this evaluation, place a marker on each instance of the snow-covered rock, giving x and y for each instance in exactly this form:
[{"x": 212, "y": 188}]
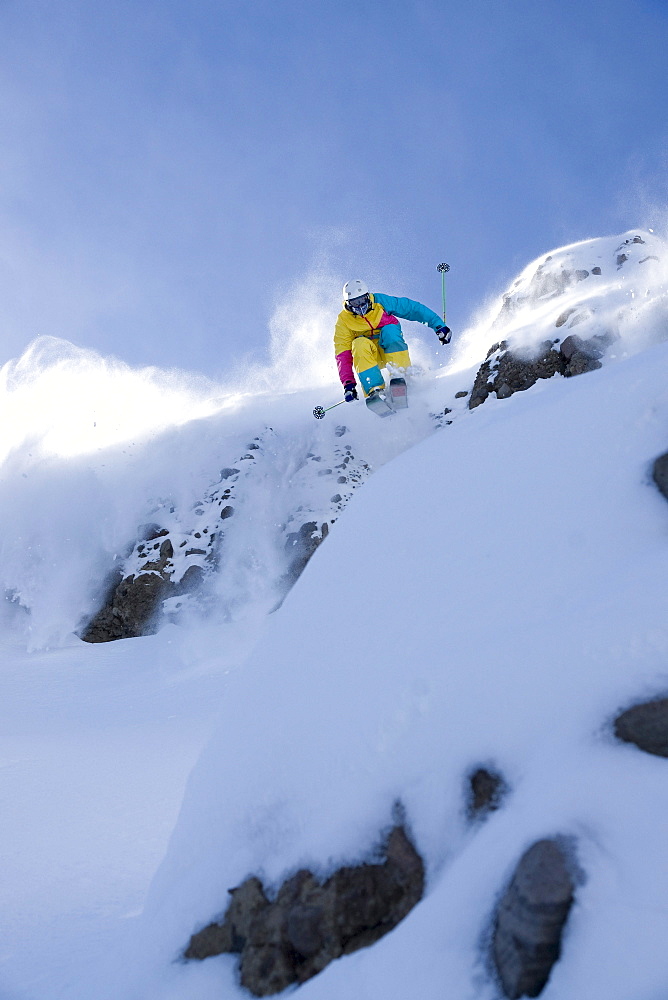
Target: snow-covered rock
[{"x": 611, "y": 290}]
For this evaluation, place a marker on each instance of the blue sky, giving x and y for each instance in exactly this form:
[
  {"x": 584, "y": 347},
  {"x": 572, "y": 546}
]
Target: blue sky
[{"x": 171, "y": 170}]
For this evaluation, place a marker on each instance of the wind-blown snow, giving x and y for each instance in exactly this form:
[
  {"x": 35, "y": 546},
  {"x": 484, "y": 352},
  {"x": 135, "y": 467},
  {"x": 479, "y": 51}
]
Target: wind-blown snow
[{"x": 494, "y": 593}]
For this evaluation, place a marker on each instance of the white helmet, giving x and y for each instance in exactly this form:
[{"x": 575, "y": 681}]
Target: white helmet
[{"x": 356, "y": 297}]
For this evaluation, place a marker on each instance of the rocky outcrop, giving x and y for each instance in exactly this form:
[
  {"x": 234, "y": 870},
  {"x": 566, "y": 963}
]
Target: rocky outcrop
[
  {"x": 309, "y": 924},
  {"x": 505, "y": 372},
  {"x": 559, "y": 291},
  {"x": 131, "y": 606},
  {"x": 646, "y": 726},
  {"x": 530, "y": 920},
  {"x": 580, "y": 355},
  {"x": 166, "y": 567},
  {"x": 484, "y": 793},
  {"x": 660, "y": 474},
  {"x": 300, "y": 546}
]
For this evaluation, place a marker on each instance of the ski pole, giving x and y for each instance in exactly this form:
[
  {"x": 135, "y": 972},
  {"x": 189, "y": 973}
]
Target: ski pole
[
  {"x": 320, "y": 411},
  {"x": 443, "y": 268}
]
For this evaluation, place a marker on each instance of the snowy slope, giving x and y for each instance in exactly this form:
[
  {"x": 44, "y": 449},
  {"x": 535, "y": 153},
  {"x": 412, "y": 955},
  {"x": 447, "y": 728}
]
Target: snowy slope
[
  {"x": 512, "y": 632},
  {"x": 494, "y": 593}
]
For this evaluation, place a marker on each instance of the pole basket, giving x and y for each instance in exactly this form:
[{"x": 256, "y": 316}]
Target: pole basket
[
  {"x": 318, "y": 412},
  {"x": 442, "y": 267}
]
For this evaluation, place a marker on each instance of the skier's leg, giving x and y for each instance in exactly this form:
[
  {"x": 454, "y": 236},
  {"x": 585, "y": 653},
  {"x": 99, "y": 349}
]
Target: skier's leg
[
  {"x": 367, "y": 360},
  {"x": 394, "y": 346}
]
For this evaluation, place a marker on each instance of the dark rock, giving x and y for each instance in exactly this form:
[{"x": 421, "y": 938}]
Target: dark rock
[
  {"x": 310, "y": 924},
  {"x": 300, "y": 546},
  {"x": 228, "y": 473},
  {"x": 486, "y": 789},
  {"x": 660, "y": 474},
  {"x": 621, "y": 259},
  {"x": 149, "y": 532},
  {"x": 482, "y": 385},
  {"x": 584, "y": 355},
  {"x": 130, "y": 610},
  {"x": 191, "y": 581},
  {"x": 460, "y": 395},
  {"x": 511, "y": 373},
  {"x": 226, "y": 512},
  {"x": 530, "y": 920},
  {"x": 164, "y": 554},
  {"x": 646, "y": 726},
  {"x": 340, "y": 430},
  {"x": 248, "y": 901},
  {"x": 305, "y": 930},
  {"x": 267, "y": 969},
  {"x": 595, "y": 270}
]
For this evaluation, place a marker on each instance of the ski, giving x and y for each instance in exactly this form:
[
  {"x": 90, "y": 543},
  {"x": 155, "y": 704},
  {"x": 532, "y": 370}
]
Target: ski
[
  {"x": 379, "y": 403},
  {"x": 398, "y": 393}
]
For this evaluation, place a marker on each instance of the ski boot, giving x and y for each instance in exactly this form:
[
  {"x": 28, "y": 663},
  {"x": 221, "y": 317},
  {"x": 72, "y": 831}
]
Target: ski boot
[{"x": 378, "y": 402}]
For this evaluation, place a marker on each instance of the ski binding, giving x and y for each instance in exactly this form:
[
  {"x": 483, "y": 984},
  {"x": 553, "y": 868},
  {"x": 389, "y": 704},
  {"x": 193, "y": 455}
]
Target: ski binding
[{"x": 378, "y": 402}]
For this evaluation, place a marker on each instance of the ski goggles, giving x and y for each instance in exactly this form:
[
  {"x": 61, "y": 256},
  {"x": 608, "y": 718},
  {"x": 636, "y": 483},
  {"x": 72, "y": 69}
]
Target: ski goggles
[{"x": 360, "y": 306}]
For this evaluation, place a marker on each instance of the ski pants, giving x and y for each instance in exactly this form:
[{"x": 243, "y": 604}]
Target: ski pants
[{"x": 372, "y": 354}]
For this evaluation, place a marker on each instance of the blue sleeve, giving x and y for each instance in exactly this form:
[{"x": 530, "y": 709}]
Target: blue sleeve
[{"x": 408, "y": 309}]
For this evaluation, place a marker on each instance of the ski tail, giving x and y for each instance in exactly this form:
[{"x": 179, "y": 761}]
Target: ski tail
[{"x": 398, "y": 393}]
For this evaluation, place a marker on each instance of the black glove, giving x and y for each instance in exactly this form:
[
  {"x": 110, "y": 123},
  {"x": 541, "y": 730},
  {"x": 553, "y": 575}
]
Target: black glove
[
  {"x": 349, "y": 392},
  {"x": 444, "y": 334}
]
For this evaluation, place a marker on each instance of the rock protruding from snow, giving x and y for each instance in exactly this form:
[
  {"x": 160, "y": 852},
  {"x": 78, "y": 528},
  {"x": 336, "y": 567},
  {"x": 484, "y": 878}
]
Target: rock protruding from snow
[
  {"x": 608, "y": 289},
  {"x": 531, "y": 918},
  {"x": 132, "y": 605},
  {"x": 645, "y": 725},
  {"x": 504, "y": 372},
  {"x": 485, "y": 792},
  {"x": 660, "y": 474},
  {"x": 130, "y": 609},
  {"x": 300, "y": 546},
  {"x": 172, "y": 561},
  {"x": 309, "y": 924}
]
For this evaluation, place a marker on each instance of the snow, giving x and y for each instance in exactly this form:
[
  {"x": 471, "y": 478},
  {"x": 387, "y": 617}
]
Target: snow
[{"x": 494, "y": 594}]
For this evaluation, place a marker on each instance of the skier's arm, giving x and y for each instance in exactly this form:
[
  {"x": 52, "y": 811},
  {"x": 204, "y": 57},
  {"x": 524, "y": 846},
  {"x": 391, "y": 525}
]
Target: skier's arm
[
  {"x": 343, "y": 348},
  {"x": 409, "y": 309}
]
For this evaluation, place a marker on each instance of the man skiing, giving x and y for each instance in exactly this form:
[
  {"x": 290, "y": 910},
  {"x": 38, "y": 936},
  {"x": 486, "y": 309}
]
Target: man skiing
[{"x": 368, "y": 336}]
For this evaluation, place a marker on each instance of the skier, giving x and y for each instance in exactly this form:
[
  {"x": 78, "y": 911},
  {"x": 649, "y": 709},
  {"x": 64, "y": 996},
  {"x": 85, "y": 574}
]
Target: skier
[{"x": 368, "y": 336}]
